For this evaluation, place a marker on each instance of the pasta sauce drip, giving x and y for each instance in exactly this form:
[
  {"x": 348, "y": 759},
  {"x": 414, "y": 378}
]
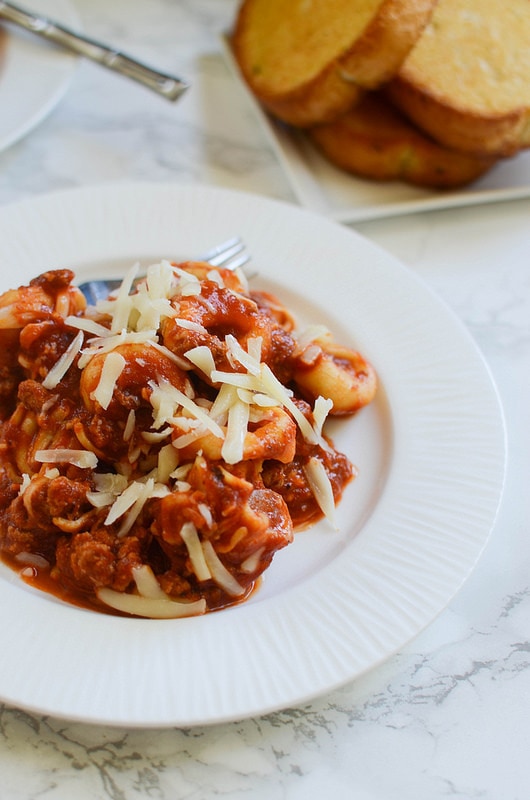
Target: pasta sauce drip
[{"x": 157, "y": 450}]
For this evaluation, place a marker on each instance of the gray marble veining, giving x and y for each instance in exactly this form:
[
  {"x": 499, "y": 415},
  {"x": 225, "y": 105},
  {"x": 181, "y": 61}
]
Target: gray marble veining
[{"x": 447, "y": 717}]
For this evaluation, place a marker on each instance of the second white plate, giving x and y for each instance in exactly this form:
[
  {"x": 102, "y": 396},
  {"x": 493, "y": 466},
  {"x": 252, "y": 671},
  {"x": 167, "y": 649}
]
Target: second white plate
[{"x": 34, "y": 75}]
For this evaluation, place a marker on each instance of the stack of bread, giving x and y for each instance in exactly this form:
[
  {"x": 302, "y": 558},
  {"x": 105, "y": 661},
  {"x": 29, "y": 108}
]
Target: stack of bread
[{"x": 432, "y": 92}]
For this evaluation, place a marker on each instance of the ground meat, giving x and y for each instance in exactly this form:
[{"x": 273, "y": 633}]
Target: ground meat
[
  {"x": 290, "y": 481},
  {"x": 89, "y": 560},
  {"x": 19, "y": 534}
]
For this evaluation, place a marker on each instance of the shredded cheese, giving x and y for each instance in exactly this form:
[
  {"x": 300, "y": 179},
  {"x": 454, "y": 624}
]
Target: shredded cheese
[
  {"x": 189, "y": 284},
  {"x": 202, "y": 358},
  {"x": 152, "y": 608},
  {"x": 130, "y": 426},
  {"x": 311, "y": 334},
  {"x": 237, "y": 355},
  {"x": 161, "y": 281},
  {"x": 168, "y": 354},
  {"x": 26, "y": 480},
  {"x": 113, "y": 366},
  {"x": 320, "y": 485},
  {"x": 146, "y": 583},
  {"x": 87, "y": 325},
  {"x": 206, "y": 513},
  {"x": 84, "y": 459},
  {"x": 122, "y": 303},
  {"x": 149, "y": 490},
  {"x": 33, "y": 560},
  {"x": 181, "y": 472},
  {"x": 99, "y": 346},
  {"x": 63, "y": 364},
  {"x": 272, "y": 386},
  {"x": 168, "y": 459},
  {"x": 134, "y": 491},
  {"x": 232, "y": 449},
  {"x": 251, "y": 563},
  {"x": 321, "y": 409},
  {"x": 238, "y": 379},
  {"x": 163, "y": 391},
  {"x": 222, "y": 403},
  {"x": 189, "y": 325},
  {"x": 187, "y": 439},
  {"x": 190, "y": 537},
  {"x": 151, "y": 601},
  {"x": 180, "y": 418},
  {"x": 220, "y": 574},
  {"x": 156, "y": 436}
]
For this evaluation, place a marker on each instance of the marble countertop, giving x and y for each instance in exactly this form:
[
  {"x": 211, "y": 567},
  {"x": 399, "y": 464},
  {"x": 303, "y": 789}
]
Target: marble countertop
[{"x": 447, "y": 716}]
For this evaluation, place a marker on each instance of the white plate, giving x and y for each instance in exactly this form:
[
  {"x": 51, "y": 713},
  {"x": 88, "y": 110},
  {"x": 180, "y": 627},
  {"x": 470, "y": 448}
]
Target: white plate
[
  {"x": 34, "y": 75},
  {"x": 335, "y": 603},
  {"x": 321, "y": 187}
]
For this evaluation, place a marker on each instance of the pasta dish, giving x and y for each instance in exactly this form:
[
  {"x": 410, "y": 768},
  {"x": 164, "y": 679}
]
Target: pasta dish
[{"x": 157, "y": 449}]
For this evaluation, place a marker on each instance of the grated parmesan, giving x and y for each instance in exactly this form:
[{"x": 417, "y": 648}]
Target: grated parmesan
[
  {"x": 121, "y": 306},
  {"x": 63, "y": 364},
  {"x": 168, "y": 459},
  {"x": 84, "y": 459},
  {"x": 101, "y": 345},
  {"x": 321, "y": 409},
  {"x": 320, "y": 485},
  {"x": 113, "y": 366},
  {"x": 311, "y": 334},
  {"x": 237, "y": 354},
  {"x": 232, "y": 449},
  {"x": 130, "y": 426},
  {"x": 251, "y": 563},
  {"x": 26, "y": 480},
  {"x": 151, "y": 601},
  {"x": 180, "y": 418},
  {"x": 150, "y": 607},
  {"x": 220, "y": 574},
  {"x": 189, "y": 325},
  {"x": 88, "y": 325},
  {"x": 202, "y": 358},
  {"x": 125, "y": 500},
  {"x": 190, "y": 537},
  {"x": 165, "y": 391}
]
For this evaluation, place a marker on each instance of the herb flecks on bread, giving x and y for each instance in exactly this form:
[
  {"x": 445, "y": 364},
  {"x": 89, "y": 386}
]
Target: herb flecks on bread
[
  {"x": 309, "y": 61},
  {"x": 457, "y": 72},
  {"x": 467, "y": 80},
  {"x": 375, "y": 141}
]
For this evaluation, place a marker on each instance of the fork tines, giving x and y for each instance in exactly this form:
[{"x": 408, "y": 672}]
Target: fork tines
[{"x": 230, "y": 254}]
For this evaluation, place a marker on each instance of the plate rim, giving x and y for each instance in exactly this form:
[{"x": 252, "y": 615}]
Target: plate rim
[
  {"x": 45, "y": 104},
  {"x": 153, "y": 196}
]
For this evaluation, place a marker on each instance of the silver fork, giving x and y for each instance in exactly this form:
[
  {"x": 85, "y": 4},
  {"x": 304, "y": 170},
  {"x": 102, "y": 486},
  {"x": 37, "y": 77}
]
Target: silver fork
[{"x": 230, "y": 254}]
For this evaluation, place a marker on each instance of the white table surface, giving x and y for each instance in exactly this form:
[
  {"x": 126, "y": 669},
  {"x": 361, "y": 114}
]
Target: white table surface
[{"x": 448, "y": 716}]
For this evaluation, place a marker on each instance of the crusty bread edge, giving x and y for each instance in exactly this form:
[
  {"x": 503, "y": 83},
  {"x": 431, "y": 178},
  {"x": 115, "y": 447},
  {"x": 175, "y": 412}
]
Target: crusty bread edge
[
  {"x": 386, "y": 42},
  {"x": 409, "y": 156},
  {"x": 371, "y": 61},
  {"x": 322, "y": 100},
  {"x": 497, "y": 135}
]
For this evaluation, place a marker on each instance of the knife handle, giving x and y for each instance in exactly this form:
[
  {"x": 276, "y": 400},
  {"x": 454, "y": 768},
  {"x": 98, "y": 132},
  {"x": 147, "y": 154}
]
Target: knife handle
[{"x": 168, "y": 86}]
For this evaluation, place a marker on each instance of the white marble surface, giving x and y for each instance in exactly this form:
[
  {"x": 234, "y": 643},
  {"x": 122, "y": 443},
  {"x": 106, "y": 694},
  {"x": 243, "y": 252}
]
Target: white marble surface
[{"x": 447, "y": 717}]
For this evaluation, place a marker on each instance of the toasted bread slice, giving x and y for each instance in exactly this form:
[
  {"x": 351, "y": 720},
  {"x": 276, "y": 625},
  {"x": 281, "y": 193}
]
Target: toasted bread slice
[
  {"x": 467, "y": 80},
  {"x": 374, "y": 141},
  {"x": 308, "y": 61}
]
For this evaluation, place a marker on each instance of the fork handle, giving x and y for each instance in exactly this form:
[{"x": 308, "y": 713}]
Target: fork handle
[{"x": 168, "y": 86}]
